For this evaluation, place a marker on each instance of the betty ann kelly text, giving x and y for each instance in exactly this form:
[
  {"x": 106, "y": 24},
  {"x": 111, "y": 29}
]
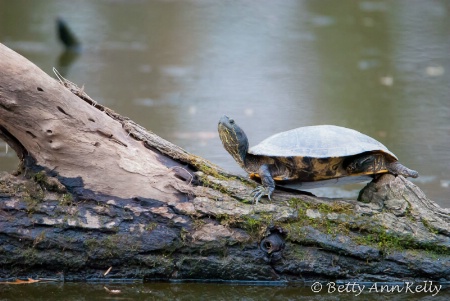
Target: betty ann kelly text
[{"x": 426, "y": 287}]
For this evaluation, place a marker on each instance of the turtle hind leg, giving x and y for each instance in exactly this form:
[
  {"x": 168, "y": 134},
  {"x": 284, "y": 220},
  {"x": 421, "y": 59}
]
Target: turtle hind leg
[{"x": 397, "y": 168}]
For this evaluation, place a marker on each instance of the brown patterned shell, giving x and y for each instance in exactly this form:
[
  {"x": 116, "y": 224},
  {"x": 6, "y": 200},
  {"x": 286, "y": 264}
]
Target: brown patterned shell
[{"x": 320, "y": 141}]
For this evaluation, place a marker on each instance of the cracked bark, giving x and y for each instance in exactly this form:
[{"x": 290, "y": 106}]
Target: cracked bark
[{"x": 95, "y": 190}]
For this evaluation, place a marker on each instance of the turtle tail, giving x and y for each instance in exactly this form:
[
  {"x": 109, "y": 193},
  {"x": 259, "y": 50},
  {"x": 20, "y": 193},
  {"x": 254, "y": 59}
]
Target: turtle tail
[{"x": 397, "y": 168}]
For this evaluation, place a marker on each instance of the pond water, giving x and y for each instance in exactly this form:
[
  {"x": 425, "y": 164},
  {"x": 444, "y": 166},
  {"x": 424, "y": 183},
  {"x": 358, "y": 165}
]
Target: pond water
[
  {"x": 380, "y": 67},
  {"x": 203, "y": 291}
]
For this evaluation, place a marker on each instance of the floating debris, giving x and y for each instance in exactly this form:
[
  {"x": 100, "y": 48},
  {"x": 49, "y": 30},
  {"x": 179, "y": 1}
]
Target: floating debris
[
  {"x": 192, "y": 110},
  {"x": 28, "y": 281},
  {"x": 368, "y": 64},
  {"x": 112, "y": 291},
  {"x": 435, "y": 70},
  {"x": 387, "y": 81},
  {"x": 107, "y": 271},
  {"x": 248, "y": 112},
  {"x": 382, "y": 134},
  {"x": 372, "y": 6}
]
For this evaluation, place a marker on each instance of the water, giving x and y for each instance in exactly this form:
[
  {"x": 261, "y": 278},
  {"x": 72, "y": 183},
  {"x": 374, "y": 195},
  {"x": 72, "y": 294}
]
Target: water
[
  {"x": 380, "y": 67},
  {"x": 202, "y": 291}
]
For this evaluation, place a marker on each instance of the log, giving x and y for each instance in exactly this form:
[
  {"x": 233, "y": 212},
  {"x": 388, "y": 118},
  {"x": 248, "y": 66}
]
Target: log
[{"x": 95, "y": 191}]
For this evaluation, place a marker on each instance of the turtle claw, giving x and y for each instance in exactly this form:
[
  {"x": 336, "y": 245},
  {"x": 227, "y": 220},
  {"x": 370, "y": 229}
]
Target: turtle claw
[{"x": 259, "y": 192}]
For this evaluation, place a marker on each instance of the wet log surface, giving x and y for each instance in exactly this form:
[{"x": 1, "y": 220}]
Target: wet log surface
[{"x": 95, "y": 190}]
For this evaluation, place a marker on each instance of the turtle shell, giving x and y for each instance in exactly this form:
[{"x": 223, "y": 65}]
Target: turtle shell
[{"x": 320, "y": 141}]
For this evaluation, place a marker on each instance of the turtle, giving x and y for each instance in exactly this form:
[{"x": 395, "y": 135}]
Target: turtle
[{"x": 309, "y": 157}]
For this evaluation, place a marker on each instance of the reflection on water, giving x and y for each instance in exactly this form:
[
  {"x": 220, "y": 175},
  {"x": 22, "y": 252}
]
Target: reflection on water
[
  {"x": 65, "y": 59},
  {"x": 203, "y": 291},
  {"x": 380, "y": 67}
]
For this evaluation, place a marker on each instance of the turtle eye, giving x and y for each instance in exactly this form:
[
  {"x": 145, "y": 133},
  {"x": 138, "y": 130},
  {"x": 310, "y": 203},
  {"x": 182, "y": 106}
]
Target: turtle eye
[{"x": 231, "y": 121}]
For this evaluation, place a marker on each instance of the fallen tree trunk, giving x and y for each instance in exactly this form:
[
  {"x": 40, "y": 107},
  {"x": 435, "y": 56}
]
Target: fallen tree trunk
[{"x": 95, "y": 190}]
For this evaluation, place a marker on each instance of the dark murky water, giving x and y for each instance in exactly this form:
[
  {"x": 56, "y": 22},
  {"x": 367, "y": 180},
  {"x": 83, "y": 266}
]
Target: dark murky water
[
  {"x": 209, "y": 292},
  {"x": 380, "y": 67}
]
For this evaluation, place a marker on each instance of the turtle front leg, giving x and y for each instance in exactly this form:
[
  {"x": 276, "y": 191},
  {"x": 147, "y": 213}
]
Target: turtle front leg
[
  {"x": 268, "y": 184},
  {"x": 397, "y": 168}
]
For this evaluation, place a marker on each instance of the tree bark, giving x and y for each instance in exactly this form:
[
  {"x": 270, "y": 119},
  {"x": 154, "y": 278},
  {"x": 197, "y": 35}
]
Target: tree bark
[{"x": 95, "y": 190}]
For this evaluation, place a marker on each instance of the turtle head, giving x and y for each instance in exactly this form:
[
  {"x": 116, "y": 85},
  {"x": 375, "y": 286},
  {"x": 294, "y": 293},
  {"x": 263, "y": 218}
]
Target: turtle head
[{"x": 233, "y": 139}]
